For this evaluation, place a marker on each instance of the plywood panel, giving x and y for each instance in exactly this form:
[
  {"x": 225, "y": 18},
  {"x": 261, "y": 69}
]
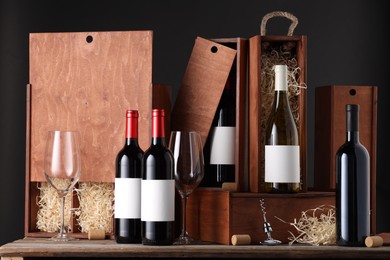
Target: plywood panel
[{"x": 85, "y": 81}]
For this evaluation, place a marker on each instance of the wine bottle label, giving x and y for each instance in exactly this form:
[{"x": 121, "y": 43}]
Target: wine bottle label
[
  {"x": 127, "y": 195},
  {"x": 282, "y": 163},
  {"x": 222, "y": 145},
  {"x": 158, "y": 200}
]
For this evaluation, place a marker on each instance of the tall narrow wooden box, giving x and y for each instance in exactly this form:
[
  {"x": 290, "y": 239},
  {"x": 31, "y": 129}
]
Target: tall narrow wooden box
[
  {"x": 85, "y": 81},
  {"x": 295, "y": 47},
  {"x": 330, "y": 132}
]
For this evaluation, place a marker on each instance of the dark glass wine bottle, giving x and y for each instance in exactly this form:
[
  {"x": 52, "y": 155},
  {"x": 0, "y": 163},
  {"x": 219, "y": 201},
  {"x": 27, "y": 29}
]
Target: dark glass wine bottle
[
  {"x": 158, "y": 188},
  {"x": 128, "y": 185},
  {"x": 282, "y": 162},
  {"x": 220, "y": 145},
  {"x": 352, "y": 185}
]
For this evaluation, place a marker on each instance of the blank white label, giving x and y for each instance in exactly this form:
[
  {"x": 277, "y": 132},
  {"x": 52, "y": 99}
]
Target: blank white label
[
  {"x": 127, "y": 198},
  {"x": 282, "y": 163},
  {"x": 157, "y": 200},
  {"x": 222, "y": 145}
]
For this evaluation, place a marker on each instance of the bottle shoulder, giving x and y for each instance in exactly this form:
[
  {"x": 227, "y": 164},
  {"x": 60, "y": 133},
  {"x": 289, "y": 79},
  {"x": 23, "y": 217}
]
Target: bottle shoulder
[
  {"x": 132, "y": 151},
  {"x": 281, "y": 129},
  {"x": 353, "y": 148},
  {"x": 158, "y": 151},
  {"x": 157, "y": 163}
]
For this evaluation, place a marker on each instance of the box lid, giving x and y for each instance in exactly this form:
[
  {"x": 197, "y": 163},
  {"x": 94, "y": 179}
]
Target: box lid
[
  {"x": 202, "y": 86},
  {"x": 85, "y": 81}
]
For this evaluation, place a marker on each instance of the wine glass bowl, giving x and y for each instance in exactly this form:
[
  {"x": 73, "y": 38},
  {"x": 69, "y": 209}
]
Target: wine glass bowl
[
  {"x": 62, "y": 169},
  {"x": 187, "y": 150}
]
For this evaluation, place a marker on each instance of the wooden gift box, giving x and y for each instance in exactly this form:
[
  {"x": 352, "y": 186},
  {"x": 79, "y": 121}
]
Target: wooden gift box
[
  {"x": 215, "y": 215},
  {"x": 330, "y": 133},
  {"x": 85, "y": 81},
  {"x": 259, "y": 45},
  {"x": 204, "y": 80}
]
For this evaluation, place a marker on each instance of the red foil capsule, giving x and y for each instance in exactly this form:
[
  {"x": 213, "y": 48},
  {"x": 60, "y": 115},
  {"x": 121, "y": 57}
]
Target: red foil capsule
[
  {"x": 131, "y": 124},
  {"x": 158, "y": 128}
]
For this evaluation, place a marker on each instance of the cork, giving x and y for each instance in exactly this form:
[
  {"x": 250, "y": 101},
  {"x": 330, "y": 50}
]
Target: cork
[
  {"x": 95, "y": 234},
  {"x": 374, "y": 241},
  {"x": 229, "y": 186},
  {"x": 243, "y": 239}
]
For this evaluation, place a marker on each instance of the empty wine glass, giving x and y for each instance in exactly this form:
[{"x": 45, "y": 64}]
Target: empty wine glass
[
  {"x": 62, "y": 169},
  {"x": 187, "y": 150}
]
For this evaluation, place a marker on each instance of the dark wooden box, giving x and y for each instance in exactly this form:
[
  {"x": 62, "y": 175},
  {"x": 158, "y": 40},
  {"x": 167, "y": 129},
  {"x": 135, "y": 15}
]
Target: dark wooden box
[
  {"x": 215, "y": 215},
  {"x": 207, "y": 71},
  {"x": 330, "y": 132},
  {"x": 259, "y": 46},
  {"x": 85, "y": 81}
]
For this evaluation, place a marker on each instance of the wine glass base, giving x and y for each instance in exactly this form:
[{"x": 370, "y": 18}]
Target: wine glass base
[
  {"x": 186, "y": 240},
  {"x": 62, "y": 238}
]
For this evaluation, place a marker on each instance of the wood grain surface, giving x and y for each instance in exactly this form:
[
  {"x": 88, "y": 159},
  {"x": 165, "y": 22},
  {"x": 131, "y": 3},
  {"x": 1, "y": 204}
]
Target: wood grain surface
[
  {"x": 85, "y": 81},
  {"x": 29, "y": 247}
]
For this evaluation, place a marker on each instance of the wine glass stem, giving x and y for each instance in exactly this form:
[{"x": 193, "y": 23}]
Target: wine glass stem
[
  {"x": 62, "y": 216},
  {"x": 184, "y": 215}
]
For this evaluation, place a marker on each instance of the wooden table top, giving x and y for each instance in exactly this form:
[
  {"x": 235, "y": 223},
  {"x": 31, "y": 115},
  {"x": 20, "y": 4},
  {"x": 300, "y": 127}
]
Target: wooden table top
[{"x": 42, "y": 247}]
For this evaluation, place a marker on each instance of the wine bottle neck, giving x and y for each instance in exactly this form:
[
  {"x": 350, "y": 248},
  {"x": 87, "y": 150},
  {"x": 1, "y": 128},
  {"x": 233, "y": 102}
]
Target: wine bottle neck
[
  {"x": 281, "y": 99},
  {"x": 281, "y": 87},
  {"x": 158, "y": 141},
  {"x": 158, "y": 127},
  {"x": 352, "y": 113},
  {"x": 131, "y": 127},
  {"x": 131, "y": 142},
  {"x": 353, "y": 137}
]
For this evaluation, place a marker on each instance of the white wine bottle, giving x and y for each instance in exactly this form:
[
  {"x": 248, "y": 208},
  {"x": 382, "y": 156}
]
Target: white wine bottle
[{"x": 282, "y": 162}]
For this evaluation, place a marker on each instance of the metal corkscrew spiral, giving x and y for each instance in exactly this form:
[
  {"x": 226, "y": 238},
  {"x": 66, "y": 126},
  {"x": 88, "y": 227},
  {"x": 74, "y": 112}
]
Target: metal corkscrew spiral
[{"x": 267, "y": 228}]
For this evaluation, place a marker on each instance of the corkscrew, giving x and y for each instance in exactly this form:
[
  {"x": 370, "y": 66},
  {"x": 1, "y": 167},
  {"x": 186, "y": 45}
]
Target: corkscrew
[{"x": 267, "y": 228}]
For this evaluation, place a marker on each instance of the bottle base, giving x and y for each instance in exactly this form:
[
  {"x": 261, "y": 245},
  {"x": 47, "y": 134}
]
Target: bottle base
[
  {"x": 342, "y": 242},
  {"x": 123, "y": 240},
  {"x": 148, "y": 242},
  {"x": 282, "y": 187}
]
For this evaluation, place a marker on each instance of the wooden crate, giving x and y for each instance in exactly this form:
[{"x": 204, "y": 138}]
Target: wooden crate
[
  {"x": 259, "y": 45},
  {"x": 85, "y": 81},
  {"x": 207, "y": 72},
  {"x": 330, "y": 133},
  {"x": 215, "y": 215}
]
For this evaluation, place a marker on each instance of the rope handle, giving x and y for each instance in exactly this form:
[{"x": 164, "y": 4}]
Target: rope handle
[{"x": 294, "y": 21}]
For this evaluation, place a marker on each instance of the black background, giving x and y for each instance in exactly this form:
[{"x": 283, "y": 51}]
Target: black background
[{"x": 346, "y": 46}]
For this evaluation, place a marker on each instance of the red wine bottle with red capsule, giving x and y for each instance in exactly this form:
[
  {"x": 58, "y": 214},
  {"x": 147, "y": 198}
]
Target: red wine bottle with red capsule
[
  {"x": 128, "y": 185},
  {"x": 157, "y": 188}
]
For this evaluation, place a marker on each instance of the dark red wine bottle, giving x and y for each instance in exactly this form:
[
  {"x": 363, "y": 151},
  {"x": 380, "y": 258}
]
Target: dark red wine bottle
[
  {"x": 352, "y": 185},
  {"x": 158, "y": 188},
  {"x": 128, "y": 185},
  {"x": 220, "y": 144}
]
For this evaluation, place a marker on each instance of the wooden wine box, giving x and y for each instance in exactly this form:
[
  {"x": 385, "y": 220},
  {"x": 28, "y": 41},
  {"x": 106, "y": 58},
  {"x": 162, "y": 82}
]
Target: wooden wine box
[
  {"x": 208, "y": 69},
  {"x": 85, "y": 81},
  {"x": 290, "y": 50},
  {"x": 330, "y": 133},
  {"x": 215, "y": 215}
]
